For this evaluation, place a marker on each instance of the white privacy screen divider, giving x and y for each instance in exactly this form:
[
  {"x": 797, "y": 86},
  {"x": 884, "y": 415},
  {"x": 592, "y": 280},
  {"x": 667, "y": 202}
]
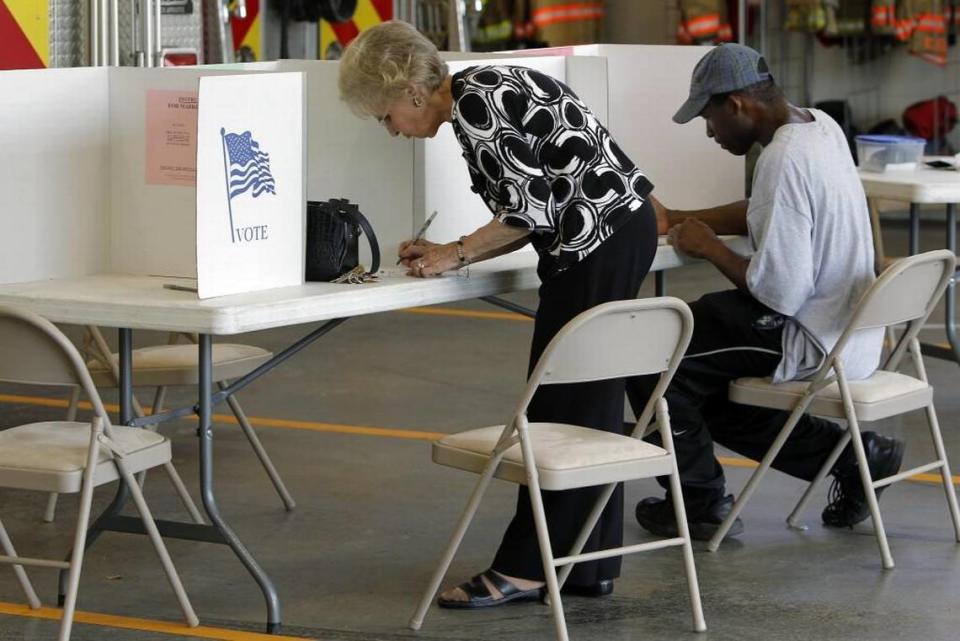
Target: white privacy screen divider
[
  {"x": 152, "y": 217},
  {"x": 353, "y": 158},
  {"x": 54, "y": 196},
  {"x": 645, "y": 86}
]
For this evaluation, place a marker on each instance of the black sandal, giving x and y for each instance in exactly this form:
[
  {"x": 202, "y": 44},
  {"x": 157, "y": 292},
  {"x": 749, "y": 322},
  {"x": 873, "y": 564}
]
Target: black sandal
[{"x": 478, "y": 596}]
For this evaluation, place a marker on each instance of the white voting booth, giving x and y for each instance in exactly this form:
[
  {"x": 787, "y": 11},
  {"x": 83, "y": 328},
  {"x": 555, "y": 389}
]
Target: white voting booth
[
  {"x": 121, "y": 182},
  {"x": 99, "y": 177}
]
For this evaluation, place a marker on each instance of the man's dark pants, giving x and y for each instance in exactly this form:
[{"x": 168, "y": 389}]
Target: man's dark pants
[{"x": 734, "y": 336}]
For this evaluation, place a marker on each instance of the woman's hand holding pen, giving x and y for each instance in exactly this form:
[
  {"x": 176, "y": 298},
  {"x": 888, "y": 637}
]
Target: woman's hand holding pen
[
  {"x": 425, "y": 244},
  {"x": 424, "y": 258}
]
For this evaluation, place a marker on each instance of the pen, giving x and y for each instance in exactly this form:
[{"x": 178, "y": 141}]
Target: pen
[
  {"x": 423, "y": 230},
  {"x": 179, "y": 288}
]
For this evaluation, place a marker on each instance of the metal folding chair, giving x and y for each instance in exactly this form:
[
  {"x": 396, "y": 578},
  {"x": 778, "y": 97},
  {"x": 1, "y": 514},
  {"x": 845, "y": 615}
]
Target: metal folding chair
[
  {"x": 173, "y": 364},
  {"x": 68, "y": 456},
  {"x": 613, "y": 340},
  {"x": 906, "y": 292}
]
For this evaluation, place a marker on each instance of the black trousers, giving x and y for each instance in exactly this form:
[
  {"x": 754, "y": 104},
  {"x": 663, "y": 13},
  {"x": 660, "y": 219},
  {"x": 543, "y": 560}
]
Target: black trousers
[
  {"x": 700, "y": 412},
  {"x": 614, "y": 271}
]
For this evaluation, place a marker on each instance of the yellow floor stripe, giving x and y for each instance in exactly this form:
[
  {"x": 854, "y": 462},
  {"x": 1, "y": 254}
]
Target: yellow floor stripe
[
  {"x": 146, "y": 625},
  {"x": 339, "y": 428},
  {"x": 466, "y": 313},
  {"x": 919, "y": 478},
  {"x": 737, "y": 462},
  {"x": 41, "y": 401},
  {"x": 335, "y": 428}
]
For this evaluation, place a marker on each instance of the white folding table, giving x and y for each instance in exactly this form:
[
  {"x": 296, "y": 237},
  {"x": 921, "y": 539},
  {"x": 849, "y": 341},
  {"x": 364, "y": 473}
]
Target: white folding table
[
  {"x": 925, "y": 186},
  {"x": 141, "y": 302}
]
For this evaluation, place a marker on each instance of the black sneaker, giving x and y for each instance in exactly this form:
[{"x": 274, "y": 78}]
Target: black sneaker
[
  {"x": 657, "y": 517},
  {"x": 848, "y": 503}
]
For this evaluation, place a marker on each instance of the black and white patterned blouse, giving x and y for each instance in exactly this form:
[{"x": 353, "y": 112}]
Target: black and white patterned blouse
[{"x": 541, "y": 160}]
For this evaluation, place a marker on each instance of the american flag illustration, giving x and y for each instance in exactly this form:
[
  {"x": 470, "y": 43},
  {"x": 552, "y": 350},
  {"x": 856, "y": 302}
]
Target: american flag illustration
[{"x": 249, "y": 166}]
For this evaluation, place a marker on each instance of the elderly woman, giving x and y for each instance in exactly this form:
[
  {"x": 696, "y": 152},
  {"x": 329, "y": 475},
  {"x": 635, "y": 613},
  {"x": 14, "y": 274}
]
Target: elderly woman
[{"x": 552, "y": 176}]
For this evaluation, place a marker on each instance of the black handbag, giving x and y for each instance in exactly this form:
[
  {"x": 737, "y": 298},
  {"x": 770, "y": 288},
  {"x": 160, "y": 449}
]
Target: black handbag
[{"x": 333, "y": 238}]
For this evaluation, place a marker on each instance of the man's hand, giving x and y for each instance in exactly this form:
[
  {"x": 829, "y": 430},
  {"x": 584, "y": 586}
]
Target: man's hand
[
  {"x": 694, "y": 238},
  {"x": 725, "y": 219}
]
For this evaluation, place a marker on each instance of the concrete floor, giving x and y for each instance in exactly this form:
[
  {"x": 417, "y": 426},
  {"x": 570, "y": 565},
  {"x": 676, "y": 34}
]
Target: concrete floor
[{"x": 373, "y": 512}]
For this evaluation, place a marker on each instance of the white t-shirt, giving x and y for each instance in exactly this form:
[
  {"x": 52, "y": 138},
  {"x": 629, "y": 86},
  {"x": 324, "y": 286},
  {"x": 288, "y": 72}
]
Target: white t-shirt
[{"x": 813, "y": 259}]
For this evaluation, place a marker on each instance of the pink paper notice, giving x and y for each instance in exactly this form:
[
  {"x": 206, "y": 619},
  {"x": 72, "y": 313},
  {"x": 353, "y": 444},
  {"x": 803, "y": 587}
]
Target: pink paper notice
[{"x": 171, "y": 130}]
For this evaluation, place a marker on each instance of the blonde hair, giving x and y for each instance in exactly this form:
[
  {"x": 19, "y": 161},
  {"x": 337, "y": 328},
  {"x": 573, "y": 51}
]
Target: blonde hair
[{"x": 385, "y": 63}]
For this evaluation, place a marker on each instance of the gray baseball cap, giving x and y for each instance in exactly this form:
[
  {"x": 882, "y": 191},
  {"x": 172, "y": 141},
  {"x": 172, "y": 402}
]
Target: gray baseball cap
[{"x": 728, "y": 67}]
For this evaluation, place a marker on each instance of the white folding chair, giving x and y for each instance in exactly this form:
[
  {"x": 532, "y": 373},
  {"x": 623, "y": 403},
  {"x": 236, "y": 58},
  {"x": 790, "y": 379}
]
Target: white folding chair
[
  {"x": 906, "y": 292},
  {"x": 613, "y": 340},
  {"x": 163, "y": 366},
  {"x": 70, "y": 457}
]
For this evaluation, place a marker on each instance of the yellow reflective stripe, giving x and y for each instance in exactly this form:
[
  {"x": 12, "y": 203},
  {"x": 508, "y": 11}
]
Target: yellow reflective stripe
[
  {"x": 252, "y": 37},
  {"x": 366, "y": 16},
  {"x": 327, "y": 37},
  {"x": 34, "y": 20},
  {"x": 497, "y": 31}
]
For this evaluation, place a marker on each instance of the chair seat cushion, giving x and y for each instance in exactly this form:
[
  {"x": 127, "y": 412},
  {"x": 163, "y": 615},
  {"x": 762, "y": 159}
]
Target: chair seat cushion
[
  {"x": 51, "y": 456},
  {"x": 883, "y": 394},
  {"x": 567, "y": 456},
  {"x": 177, "y": 364}
]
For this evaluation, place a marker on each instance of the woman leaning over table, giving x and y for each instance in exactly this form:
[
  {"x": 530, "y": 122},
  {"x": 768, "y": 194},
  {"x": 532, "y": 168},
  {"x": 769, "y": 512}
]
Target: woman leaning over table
[{"x": 552, "y": 176}]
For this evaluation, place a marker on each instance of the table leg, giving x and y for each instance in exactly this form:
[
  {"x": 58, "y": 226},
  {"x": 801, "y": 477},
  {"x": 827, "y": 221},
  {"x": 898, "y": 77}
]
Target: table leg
[
  {"x": 513, "y": 307},
  {"x": 952, "y": 350},
  {"x": 125, "y": 337},
  {"x": 207, "y": 493},
  {"x": 219, "y": 531},
  {"x": 950, "y": 297},
  {"x": 914, "y": 247},
  {"x": 659, "y": 283}
]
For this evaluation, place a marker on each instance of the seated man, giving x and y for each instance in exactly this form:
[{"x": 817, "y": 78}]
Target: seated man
[{"x": 813, "y": 259}]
